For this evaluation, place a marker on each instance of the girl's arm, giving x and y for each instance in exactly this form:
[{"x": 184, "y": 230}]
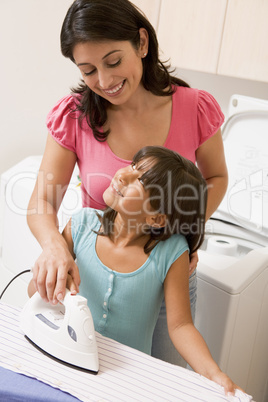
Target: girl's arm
[
  {"x": 185, "y": 337},
  {"x": 55, "y": 262}
]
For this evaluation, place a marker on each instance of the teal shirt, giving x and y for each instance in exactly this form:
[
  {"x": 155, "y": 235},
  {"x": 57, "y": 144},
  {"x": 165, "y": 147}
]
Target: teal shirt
[{"x": 124, "y": 306}]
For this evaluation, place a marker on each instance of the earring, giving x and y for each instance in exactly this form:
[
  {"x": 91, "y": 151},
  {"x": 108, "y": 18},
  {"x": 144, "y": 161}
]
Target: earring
[{"x": 144, "y": 54}]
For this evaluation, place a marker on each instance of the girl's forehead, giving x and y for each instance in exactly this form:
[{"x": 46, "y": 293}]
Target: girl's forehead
[{"x": 145, "y": 163}]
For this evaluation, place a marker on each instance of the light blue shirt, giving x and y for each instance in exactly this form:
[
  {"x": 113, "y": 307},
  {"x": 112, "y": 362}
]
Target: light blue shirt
[{"x": 124, "y": 306}]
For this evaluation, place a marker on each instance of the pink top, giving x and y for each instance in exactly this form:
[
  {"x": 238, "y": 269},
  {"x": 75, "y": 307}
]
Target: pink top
[{"x": 196, "y": 116}]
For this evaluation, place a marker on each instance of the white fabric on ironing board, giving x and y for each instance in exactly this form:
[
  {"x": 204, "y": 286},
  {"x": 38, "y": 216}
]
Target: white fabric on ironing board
[{"x": 125, "y": 374}]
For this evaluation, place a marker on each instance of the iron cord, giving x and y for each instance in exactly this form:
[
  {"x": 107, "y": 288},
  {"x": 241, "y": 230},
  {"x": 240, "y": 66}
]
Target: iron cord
[{"x": 9, "y": 283}]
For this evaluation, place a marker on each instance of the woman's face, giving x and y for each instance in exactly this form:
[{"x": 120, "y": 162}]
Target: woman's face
[{"x": 112, "y": 69}]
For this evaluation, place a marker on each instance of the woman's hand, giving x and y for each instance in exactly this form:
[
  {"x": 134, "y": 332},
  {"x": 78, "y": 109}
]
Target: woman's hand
[
  {"x": 193, "y": 262},
  {"x": 50, "y": 272},
  {"x": 71, "y": 285}
]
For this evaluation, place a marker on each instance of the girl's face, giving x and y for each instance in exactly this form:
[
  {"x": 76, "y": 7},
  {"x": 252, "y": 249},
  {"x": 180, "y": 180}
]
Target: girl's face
[
  {"x": 112, "y": 69},
  {"x": 126, "y": 193}
]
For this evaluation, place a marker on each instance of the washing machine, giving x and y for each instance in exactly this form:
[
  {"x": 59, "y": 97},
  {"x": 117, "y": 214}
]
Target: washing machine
[
  {"x": 232, "y": 304},
  {"x": 19, "y": 248}
]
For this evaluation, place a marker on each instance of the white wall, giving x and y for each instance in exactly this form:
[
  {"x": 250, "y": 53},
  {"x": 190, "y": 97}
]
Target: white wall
[{"x": 34, "y": 75}]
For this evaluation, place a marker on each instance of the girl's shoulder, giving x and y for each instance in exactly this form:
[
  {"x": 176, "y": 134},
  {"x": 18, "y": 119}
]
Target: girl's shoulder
[
  {"x": 85, "y": 221},
  {"x": 167, "y": 252},
  {"x": 175, "y": 244}
]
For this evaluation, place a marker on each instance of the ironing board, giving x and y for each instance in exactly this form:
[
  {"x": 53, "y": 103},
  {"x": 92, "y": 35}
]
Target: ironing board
[{"x": 125, "y": 374}]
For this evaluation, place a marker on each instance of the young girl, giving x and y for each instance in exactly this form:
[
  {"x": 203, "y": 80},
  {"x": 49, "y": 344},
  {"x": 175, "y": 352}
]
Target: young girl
[{"x": 136, "y": 252}]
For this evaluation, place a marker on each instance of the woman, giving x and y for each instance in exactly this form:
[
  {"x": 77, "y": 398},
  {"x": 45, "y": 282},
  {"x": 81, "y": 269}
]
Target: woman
[{"x": 127, "y": 100}]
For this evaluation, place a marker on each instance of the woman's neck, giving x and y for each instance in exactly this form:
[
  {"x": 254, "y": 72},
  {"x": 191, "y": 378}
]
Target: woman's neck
[{"x": 140, "y": 101}]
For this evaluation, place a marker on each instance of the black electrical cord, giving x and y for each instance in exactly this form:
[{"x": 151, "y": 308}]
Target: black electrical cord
[{"x": 22, "y": 272}]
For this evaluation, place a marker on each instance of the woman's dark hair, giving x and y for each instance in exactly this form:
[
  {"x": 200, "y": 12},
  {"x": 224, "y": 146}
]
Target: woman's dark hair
[
  {"x": 120, "y": 20},
  {"x": 176, "y": 189}
]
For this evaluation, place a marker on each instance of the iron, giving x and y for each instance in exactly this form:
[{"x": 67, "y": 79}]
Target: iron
[{"x": 64, "y": 331}]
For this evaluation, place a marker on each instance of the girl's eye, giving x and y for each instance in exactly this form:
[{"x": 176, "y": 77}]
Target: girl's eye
[{"x": 133, "y": 165}]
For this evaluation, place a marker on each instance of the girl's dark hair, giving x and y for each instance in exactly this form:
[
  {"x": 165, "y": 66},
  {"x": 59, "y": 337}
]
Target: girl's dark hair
[
  {"x": 176, "y": 189},
  {"x": 120, "y": 20}
]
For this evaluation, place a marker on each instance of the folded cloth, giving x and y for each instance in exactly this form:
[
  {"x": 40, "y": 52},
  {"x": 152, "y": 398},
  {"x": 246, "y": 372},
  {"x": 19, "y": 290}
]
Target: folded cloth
[
  {"x": 125, "y": 374},
  {"x": 18, "y": 387}
]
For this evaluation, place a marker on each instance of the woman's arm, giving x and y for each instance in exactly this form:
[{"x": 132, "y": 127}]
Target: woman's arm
[
  {"x": 55, "y": 262},
  {"x": 67, "y": 235},
  {"x": 211, "y": 162},
  {"x": 185, "y": 337}
]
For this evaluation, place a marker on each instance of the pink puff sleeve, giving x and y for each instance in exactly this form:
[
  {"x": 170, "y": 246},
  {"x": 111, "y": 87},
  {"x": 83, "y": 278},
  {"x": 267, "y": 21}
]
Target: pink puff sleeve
[
  {"x": 62, "y": 122},
  {"x": 209, "y": 114}
]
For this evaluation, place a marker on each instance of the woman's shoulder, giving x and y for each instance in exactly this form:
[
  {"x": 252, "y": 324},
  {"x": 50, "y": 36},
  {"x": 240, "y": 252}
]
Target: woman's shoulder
[
  {"x": 63, "y": 122},
  {"x": 198, "y": 97},
  {"x": 64, "y": 106},
  {"x": 194, "y": 95},
  {"x": 193, "y": 101}
]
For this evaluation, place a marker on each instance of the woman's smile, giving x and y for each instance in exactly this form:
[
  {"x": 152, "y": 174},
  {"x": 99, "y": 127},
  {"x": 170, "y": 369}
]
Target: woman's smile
[{"x": 114, "y": 90}]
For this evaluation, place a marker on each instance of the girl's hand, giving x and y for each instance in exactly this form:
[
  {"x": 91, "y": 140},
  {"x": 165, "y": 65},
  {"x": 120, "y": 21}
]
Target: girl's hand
[
  {"x": 50, "y": 272},
  {"x": 223, "y": 380},
  {"x": 193, "y": 262}
]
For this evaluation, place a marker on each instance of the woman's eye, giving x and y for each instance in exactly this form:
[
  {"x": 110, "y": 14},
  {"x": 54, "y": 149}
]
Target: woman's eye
[
  {"x": 111, "y": 65},
  {"x": 89, "y": 73}
]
